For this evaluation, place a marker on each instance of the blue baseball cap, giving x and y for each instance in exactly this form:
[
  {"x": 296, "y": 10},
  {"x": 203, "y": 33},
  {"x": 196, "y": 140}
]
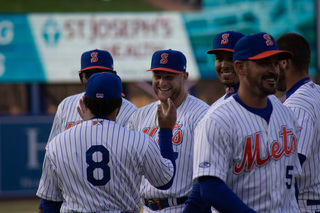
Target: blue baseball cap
[
  {"x": 258, "y": 46},
  {"x": 225, "y": 41},
  {"x": 96, "y": 59},
  {"x": 104, "y": 85},
  {"x": 168, "y": 60}
]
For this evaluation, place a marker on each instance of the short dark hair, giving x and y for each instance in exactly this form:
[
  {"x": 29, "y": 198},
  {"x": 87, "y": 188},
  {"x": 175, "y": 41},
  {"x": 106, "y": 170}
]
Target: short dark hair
[
  {"x": 102, "y": 107},
  {"x": 88, "y": 73},
  {"x": 300, "y": 48}
]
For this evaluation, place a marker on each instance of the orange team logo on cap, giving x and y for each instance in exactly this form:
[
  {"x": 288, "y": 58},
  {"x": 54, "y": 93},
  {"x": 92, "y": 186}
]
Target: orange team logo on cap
[
  {"x": 225, "y": 38},
  {"x": 268, "y": 39},
  {"x": 164, "y": 58},
  {"x": 94, "y": 57}
]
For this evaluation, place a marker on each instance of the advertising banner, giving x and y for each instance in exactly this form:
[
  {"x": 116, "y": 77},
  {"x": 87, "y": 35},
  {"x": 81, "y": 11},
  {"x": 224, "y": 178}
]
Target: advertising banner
[{"x": 47, "y": 47}]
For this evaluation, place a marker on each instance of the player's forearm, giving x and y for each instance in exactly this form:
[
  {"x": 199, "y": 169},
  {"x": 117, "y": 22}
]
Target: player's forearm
[
  {"x": 166, "y": 149},
  {"x": 194, "y": 202},
  {"x": 50, "y": 206},
  {"x": 191, "y": 208},
  {"x": 220, "y": 196}
]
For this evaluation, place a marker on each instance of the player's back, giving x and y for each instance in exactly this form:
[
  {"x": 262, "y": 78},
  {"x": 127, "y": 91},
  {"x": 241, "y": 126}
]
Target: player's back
[
  {"x": 99, "y": 165},
  {"x": 305, "y": 102},
  {"x": 67, "y": 115}
]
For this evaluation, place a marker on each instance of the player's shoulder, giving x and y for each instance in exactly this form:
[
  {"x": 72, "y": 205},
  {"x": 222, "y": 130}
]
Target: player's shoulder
[
  {"x": 274, "y": 100},
  {"x": 147, "y": 108},
  {"x": 224, "y": 108},
  {"x": 279, "y": 109},
  {"x": 194, "y": 105},
  {"x": 126, "y": 111},
  {"x": 136, "y": 139},
  {"x": 193, "y": 108},
  {"x": 276, "y": 103},
  {"x": 143, "y": 114},
  {"x": 309, "y": 92},
  {"x": 71, "y": 99},
  {"x": 220, "y": 100},
  {"x": 306, "y": 96},
  {"x": 196, "y": 101},
  {"x": 128, "y": 103}
]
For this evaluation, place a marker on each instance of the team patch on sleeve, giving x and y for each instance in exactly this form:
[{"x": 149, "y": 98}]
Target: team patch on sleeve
[{"x": 204, "y": 165}]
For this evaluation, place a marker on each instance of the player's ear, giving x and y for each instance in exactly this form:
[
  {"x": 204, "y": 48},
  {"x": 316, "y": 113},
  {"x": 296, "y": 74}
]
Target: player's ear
[
  {"x": 239, "y": 67},
  {"x": 185, "y": 76},
  {"x": 284, "y": 64},
  {"x": 81, "y": 77}
]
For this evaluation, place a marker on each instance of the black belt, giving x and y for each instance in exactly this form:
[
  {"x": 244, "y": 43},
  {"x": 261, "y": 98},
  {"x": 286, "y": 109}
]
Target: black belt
[
  {"x": 313, "y": 202},
  {"x": 163, "y": 203}
]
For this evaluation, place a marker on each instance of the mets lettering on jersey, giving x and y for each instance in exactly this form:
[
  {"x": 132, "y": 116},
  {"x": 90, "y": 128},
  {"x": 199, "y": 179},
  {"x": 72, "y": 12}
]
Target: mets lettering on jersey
[
  {"x": 189, "y": 114},
  {"x": 256, "y": 159},
  {"x": 177, "y": 135},
  {"x": 252, "y": 156}
]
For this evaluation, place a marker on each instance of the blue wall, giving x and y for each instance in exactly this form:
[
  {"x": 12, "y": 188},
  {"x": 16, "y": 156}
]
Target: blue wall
[{"x": 22, "y": 149}]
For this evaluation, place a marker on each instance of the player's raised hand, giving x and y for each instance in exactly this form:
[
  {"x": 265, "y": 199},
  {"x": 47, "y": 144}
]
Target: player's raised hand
[
  {"x": 83, "y": 111},
  {"x": 167, "y": 114}
]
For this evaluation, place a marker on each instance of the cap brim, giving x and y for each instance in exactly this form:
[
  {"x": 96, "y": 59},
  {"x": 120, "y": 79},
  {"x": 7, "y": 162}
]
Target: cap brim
[
  {"x": 165, "y": 69},
  {"x": 220, "y": 49},
  {"x": 95, "y": 67},
  {"x": 283, "y": 54}
]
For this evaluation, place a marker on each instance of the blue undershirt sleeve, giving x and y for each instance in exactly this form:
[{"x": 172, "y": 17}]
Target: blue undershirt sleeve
[
  {"x": 49, "y": 206},
  {"x": 220, "y": 196},
  {"x": 166, "y": 149},
  {"x": 195, "y": 203},
  {"x": 302, "y": 158}
]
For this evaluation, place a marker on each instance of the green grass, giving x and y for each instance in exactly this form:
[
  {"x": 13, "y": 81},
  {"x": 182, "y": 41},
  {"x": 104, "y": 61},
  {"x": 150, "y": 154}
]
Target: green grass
[
  {"x": 26, "y": 6},
  {"x": 29, "y": 205}
]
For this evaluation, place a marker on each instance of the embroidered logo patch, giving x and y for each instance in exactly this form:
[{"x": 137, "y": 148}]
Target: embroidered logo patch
[{"x": 204, "y": 165}]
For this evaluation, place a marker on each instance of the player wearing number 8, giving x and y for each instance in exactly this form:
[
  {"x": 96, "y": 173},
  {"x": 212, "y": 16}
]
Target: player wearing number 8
[{"x": 96, "y": 166}]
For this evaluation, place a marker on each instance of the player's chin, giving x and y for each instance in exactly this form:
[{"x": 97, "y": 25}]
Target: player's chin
[
  {"x": 269, "y": 90},
  {"x": 229, "y": 82},
  {"x": 163, "y": 96}
]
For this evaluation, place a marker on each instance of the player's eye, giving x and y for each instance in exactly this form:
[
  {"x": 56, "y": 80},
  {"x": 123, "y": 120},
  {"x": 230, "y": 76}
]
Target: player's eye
[{"x": 219, "y": 59}]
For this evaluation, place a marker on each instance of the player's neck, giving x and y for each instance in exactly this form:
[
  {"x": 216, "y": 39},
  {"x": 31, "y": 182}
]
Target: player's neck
[
  {"x": 180, "y": 99},
  {"x": 112, "y": 116},
  {"x": 292, "y": 79},
  {"x": 253, "y": 100}
]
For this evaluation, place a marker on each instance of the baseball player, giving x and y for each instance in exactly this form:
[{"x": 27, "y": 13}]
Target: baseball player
[
  {"x": 96, "y": 166},
  {"x": 92, "y": 61},
  {"x": 67, "y": 116},
  {"x": 223, "y": 48},
  {"x": 169, "y": 76},
  {"x": 303, "y": 97},
  {"x": 245, "y": 156}
]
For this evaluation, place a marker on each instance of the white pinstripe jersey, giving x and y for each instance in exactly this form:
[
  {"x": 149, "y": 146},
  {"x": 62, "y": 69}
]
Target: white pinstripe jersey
[
  {"x": 305, "y": 103},
  {"x": 257, "y": 160},
  {"x": 68, "y": 116},
  {"x": 214, "y": 105},
  {"x": 189, "y": 114},
  {"x": 97, "y": 166}
]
